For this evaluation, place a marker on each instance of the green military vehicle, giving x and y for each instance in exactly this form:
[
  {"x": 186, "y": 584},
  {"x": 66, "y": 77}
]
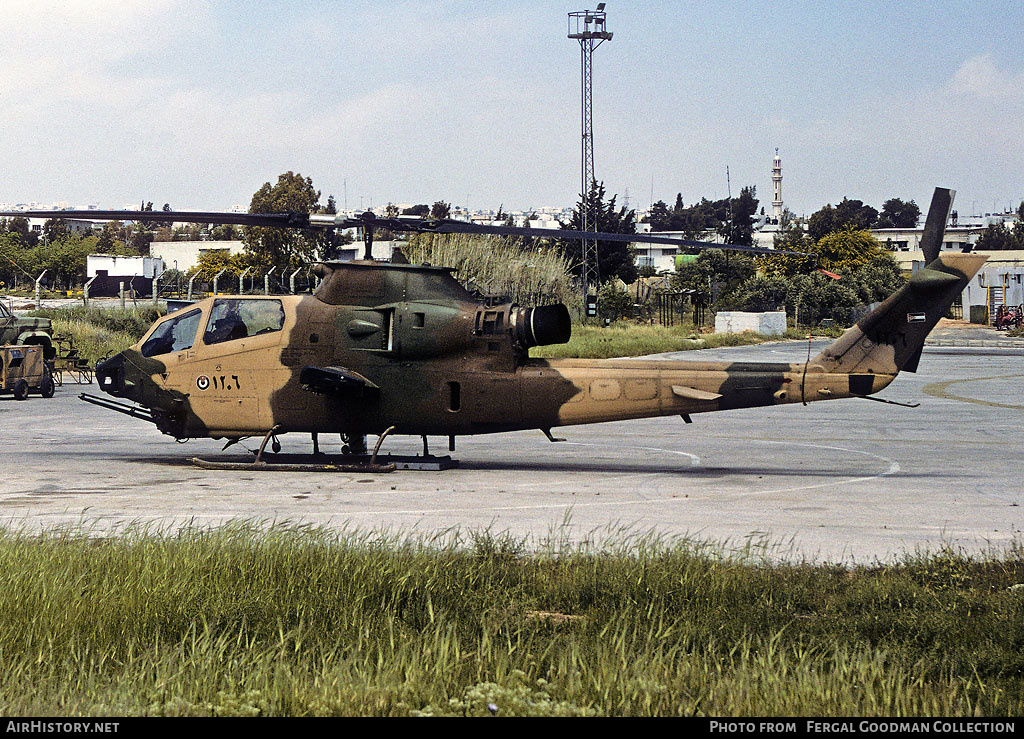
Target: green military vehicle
[{"x": 32, "y": 331}]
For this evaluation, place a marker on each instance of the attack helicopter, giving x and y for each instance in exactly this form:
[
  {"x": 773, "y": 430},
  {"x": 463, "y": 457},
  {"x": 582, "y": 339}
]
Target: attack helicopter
[{"x": 396, "y": 348}]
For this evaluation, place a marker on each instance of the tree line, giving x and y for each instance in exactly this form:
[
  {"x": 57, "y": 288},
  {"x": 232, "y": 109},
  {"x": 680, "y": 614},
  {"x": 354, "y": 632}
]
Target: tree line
[{"x": 836, "y": 237}]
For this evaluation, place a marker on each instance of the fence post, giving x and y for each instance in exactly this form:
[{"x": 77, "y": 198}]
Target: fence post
[
  {"x": 241, "y": 281},
  {"x": 291, "y": 280},
  {"x": 190, "y": 281},
  {"x": 38, "y": 291},
  {"x": 216, "y": 278},
  {"x": 85, "y": 291},
  {"x": 266, "y": 280}
]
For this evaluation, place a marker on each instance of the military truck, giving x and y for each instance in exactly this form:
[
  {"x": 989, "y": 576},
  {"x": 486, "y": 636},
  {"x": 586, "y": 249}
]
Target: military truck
[
  {"x": 31, "y": 331},
  {"x": 23, "y": 370}
]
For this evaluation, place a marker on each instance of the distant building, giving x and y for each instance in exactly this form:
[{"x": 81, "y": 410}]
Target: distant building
[
  {"x": 111, "y": 271},
  {"x": 960, "y": 233},
  {"x": 1000, "y": 281},
  {"x": 777, "y": 187},
  {"x": 184, "y": 255},
  {"x": 909, "y": 239}
]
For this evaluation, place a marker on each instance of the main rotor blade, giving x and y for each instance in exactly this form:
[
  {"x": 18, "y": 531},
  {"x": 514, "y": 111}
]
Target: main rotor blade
[
  {"x": 415, "y": 225},
  {"x": 282, "y": 220},
  {"x": 450, "y": 226}
]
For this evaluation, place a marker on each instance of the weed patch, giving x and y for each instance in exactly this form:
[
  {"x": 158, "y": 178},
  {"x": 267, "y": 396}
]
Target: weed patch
[{"x": 287, "y": 620}]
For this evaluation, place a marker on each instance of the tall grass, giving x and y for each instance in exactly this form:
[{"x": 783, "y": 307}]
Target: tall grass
[
  {"x": 286, "y": 620},
  {"x": 627, "y": 339},
  {"x": 496, "y": 265},
  {"x": 99, "y": 332}
]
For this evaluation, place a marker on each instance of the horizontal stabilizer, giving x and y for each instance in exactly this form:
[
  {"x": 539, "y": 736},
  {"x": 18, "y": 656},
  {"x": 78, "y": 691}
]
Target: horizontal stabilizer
[{"x": 693, "y": 393}]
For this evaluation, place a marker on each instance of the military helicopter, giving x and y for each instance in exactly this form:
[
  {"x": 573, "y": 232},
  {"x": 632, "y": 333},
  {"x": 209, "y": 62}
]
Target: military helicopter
[{"x": 387, "y": 348}]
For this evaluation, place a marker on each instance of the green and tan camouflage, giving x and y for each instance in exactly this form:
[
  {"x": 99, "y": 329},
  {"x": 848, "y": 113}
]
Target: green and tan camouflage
[
  {"x": 26, "y": 331},
  {"x": 406, "y": 346}
]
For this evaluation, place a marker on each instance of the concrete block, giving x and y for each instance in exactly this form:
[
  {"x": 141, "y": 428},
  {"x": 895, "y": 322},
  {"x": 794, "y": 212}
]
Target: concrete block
[{"x": 771, "y": 323}]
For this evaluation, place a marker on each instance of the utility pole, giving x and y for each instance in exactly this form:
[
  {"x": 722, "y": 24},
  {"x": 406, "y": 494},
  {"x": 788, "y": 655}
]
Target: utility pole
[{"x": 588, "y": 27}]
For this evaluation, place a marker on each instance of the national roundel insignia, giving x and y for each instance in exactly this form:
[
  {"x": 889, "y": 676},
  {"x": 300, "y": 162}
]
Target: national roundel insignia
[{"x": 202, "y": 382}]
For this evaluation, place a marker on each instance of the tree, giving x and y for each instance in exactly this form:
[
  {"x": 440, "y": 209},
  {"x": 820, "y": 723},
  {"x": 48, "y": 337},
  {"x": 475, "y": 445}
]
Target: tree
[
  {"x": 739, "y": 227},
  {"x": 421, "y": 210},
  {"x": 137, "y": 238},
  {"x": 714, "y": 273},
  {"x": 19, "y": 228},
  {"x": 812, "y": 297},
  {"x": 839, "y": 251},
  {"x": 163, "y": 233},
  {"x": 898, "y": 214},
  {"x": 224, "y": 232},
  {"x": 65, "y": 259},
  {"x": 998, "y": 237},
  {"x": 613, "y": 303},
  {"x": 285, "y": 248},
  {"x": 212, "y": 261},
  {"x": 55, "y": 229},
  {"x": 614, "y": 258},
  {"x": 847, "y": 214},
  {"x": 855, "y": 214},
  {"x": 660, "y": 217},
  {"x": 733, "y": 219},
  {"x": 441, "y": 209}
]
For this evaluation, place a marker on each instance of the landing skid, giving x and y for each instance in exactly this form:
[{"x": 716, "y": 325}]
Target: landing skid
[
  {"x": 333, "y": 463},
  {"x": 346, "y": 463},
  {"x": 319, "y": 462},
  {"x": 262, "y": 465}
]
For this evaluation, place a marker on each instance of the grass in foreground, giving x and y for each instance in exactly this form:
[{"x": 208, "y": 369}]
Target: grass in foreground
[
  {"x": 298, "y": 621},
  {"x": 627, "y": 339}
]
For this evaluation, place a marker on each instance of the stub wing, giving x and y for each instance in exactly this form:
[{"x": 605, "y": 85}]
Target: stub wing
[{"x": 337, "y": 381}]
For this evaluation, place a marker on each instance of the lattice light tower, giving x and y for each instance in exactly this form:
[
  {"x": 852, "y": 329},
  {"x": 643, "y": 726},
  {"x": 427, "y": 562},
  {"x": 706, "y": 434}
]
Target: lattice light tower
[{"x": 588, "y": 27}]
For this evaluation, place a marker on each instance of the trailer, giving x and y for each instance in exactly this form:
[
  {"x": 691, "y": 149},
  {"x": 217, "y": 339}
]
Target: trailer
[{"x": 24, "y": 369}]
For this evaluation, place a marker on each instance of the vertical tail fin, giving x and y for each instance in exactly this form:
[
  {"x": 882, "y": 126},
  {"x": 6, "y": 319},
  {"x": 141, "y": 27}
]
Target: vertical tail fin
[
  {"x": 890, "y": 338},
  {"x": 935, "y": 224}
]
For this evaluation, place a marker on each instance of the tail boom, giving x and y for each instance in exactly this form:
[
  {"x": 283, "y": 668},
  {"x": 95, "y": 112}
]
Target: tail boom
[{"x": 863, "y": 361}]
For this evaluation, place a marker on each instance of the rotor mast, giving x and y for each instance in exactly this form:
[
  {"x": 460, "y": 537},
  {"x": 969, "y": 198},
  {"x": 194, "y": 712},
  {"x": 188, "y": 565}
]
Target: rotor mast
[{"x": 588, "y": 27}]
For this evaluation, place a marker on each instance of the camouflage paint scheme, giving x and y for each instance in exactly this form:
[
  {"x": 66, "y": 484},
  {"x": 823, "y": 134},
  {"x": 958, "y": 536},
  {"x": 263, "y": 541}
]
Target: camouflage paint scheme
[
  {"x": 382, "y": 345},
  {"x": 16, "y": 330}
]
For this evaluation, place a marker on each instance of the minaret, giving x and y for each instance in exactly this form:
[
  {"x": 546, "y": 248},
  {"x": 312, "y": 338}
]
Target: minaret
[{"x": 777, "y": 186}]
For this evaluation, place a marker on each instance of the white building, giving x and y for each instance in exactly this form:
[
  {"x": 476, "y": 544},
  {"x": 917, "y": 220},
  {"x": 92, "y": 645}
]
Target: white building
[
  {"x": 184, "y": 255},
  {"x": 1000, "y": 281},
  {"x": 113, "y": 265},
  {"x": 107, "y": 273}
]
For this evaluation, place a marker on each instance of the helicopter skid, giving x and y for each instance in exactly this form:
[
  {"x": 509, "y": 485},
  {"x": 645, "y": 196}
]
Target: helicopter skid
[{"x": 344, "y": 464}]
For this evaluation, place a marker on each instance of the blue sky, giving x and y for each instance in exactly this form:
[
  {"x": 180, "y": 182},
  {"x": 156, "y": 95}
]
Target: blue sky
[{"x": 198, "y": 103}]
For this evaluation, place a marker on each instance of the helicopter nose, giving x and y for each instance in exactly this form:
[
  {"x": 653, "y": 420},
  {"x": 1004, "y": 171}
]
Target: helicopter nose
[{"x": 111, "y": 375}]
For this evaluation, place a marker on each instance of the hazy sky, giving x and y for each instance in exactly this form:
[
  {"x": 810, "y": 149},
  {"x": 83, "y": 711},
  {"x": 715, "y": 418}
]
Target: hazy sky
[{"x": 199, "y": 103}]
